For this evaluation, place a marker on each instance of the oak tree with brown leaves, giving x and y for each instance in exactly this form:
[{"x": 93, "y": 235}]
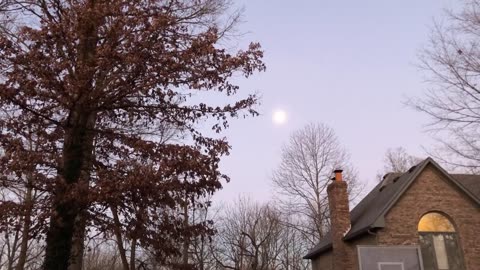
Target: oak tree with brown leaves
[{"x": 93, "y": 83}]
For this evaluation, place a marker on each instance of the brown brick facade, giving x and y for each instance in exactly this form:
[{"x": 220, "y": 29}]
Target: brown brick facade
[
  {"x": 323, "y": 262},
  {"x": 342, "y": 256},
  {"x": 431, "y": 191}
]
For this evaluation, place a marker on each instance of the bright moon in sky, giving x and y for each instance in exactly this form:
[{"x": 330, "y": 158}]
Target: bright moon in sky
[{"x": 279, "y": 117}]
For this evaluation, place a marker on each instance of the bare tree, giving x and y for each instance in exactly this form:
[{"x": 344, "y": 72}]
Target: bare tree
[
  {"x": 249, "y": 237},
  {"x": 200, "y": 248},
  {"x": 293, "y": 245},
  {"x": 101, "y": 254},
  {"x": 397, "y": 160},
  {"x": 5, "y": 18},
  {"x": 452, "y": 64},
  {"x": 301, "y": 179}
]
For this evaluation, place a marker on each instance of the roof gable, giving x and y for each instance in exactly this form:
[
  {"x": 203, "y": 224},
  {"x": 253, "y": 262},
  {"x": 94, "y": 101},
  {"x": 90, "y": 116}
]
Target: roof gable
[{"x": 370, "y": 212}]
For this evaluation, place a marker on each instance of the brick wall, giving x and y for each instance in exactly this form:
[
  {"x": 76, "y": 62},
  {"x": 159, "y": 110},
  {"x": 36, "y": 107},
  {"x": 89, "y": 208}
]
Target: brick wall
[
  {"x": 432, "y": 192},
  {"x": 323, "y": 262},
  {"x": 343, "y": 254}
]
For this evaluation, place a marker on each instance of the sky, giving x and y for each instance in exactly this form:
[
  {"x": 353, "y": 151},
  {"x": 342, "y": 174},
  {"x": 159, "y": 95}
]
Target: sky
[{"x": 348, "y": 64}]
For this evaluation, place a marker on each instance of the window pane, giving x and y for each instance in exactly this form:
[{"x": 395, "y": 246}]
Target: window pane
[
  {"x": 426, "y": 246},
  {"x": 435, "y": 222},
  {"x": 453, "y": 250},
  {"x": 440, "y": 252}
]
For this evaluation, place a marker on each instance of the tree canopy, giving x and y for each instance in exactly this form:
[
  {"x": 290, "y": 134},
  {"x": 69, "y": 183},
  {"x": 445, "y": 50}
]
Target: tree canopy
[{"x": 93, "y": 85}]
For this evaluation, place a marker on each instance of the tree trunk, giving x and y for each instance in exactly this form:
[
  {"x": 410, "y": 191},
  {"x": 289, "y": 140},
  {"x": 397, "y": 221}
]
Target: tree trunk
[
  {"x": 71, "y": 192},
  {"x": 76, "y": 260},
  {"x": 185, "y": 242},
  {"x": 12, "y": 250},
  {"x": 22, "y": 256},
  {"x": 133, "y": 250},
  {"x": 118, "y": 238},
  {"x": 71, "y": 187}
]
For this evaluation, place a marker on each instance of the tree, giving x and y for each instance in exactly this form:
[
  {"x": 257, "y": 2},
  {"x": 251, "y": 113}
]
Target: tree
[
  {"x": 249, "y": 237},
  {"x": 397, "y": 160},
  {"x": 305, "y": 170},
  {"x": 4, "y": 20},
  {"x": 256, "y": 236},
  {"x": 200, "y": 248},
  {"x": 451, "y": 62},
  {"x": 94, "y": 80},
  {"x": 21, "y": 192}
]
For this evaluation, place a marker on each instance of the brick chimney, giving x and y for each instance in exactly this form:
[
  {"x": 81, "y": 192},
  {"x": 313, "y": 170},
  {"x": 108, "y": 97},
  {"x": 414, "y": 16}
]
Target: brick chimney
[{"x": 343, "y": 254}]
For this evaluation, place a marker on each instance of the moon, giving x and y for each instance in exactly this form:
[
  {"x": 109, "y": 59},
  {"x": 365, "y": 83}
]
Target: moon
[{"x": 279, "y": 117}]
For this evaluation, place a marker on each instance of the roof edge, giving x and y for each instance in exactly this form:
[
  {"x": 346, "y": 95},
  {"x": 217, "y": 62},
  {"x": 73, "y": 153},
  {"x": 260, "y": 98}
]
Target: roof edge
[
  {"x": 316, "y": 253},
  {"x": 414, "y": 175}
]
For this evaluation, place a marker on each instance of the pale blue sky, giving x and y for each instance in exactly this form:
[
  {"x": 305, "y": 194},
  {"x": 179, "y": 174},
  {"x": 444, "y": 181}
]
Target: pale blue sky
[{"x": 349, "y": 64}]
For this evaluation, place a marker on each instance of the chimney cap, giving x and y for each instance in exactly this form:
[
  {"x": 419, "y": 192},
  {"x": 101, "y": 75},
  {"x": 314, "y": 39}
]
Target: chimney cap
[{"x": 338, "y": 175}]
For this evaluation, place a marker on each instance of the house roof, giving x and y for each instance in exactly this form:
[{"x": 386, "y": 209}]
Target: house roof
[{"x": 369, "y": 213}]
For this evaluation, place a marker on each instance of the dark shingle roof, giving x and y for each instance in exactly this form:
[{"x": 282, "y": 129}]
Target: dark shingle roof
[
  {"x": 369, "y": 213},
  {"x": 470, "y": 181}
]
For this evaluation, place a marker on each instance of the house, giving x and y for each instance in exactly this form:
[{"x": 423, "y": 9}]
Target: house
[{"x": 423, "y": 219}]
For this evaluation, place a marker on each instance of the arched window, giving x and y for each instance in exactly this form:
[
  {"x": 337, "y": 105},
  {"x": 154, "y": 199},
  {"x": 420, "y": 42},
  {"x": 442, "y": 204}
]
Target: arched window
[{"x": 439, "y": 243}]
